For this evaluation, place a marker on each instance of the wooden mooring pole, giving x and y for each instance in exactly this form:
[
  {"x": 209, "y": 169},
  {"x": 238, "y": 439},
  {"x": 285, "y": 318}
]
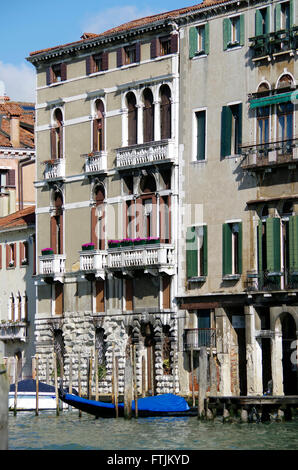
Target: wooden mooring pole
[
  {"x": 96, "y": 375},
  {"x": 128, "y": 389},
  {"x": 79, "y": 382},
  {"x": 37, "y": 386},
  {"x": 143, "y": 376},
  {"x": 16, "y": 381},
  {"x": 4, "y": 390},
  {"x": 90, "y": 375},
  {"x": 56, "y": 382},
  {"x": 135, "y": 381},
  {"x": 202, "y": 380},
  {"x": 192, "y": 377},
  {"x": 116, "y": 384}
]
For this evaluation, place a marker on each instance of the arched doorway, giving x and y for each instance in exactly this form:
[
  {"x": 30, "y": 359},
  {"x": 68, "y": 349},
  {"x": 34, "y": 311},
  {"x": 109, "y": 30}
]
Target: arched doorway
[{"x": 288, "y": 328}]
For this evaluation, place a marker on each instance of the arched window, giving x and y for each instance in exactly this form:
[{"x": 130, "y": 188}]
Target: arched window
[
  {"x": 165, "y": 112},
  {"x": 57, "y": 136},
  {"x": 148, "y": 117},
  {"x": 148, "y": 200},
  {"x": 132, "y": 118},
  {"x": 285, "y": 112},
  {"x": 57, "y": 224},
  {"x": 97, "y": 219},
  {"x": 263, "y": 118},
  {"x": 98, "y": 127}
]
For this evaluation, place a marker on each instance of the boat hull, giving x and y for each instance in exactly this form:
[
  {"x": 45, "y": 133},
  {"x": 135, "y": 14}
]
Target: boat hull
[
  {"x": 108, "y": 410},
  {"x": 26, "y": 401}
]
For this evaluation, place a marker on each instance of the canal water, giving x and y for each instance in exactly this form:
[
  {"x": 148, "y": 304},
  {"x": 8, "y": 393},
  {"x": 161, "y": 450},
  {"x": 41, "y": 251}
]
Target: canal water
[{"x": 68, "y": 431}]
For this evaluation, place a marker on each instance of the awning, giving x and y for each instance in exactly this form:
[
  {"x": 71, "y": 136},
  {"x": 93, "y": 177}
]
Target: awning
[{"x": 274, "y": 99}]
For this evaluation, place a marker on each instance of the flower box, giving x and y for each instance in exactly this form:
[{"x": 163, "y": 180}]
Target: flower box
[
  {"x": 127, "y": 242},
  {"x": 47, "y": 251},
  {"x": 88, "y": 247},
  {"x": 140, "y": 241},
  {"x": 152, "y": 240},
  {"x": 114, "y": 243}
]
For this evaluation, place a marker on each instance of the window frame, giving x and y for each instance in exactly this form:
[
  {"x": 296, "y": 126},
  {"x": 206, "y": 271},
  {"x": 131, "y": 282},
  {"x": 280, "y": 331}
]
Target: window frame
[{"x": 195, "y": 135}]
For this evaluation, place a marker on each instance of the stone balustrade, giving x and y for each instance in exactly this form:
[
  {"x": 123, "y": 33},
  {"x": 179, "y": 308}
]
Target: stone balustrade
[
  {"x": 52, "y": 265},
  {"x": 150, "y": 152},
  {"x": 93, "y": 261},
  {"x": 95, "y": 162},
  {"x": 54, "y": 169},
  {"x": 147, "y": 256},
  {"x": 12, "y": 331}
]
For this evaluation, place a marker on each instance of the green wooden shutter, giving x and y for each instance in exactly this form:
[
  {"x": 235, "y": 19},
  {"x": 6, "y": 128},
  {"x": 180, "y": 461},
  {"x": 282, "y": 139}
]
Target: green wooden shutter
[
  {"x": 191, "y": 253},
  {"x": 240, "y": 244},
  {"x": 226, "y": 32},
  {"x": 239, "y": 123},
  {"x": 258, "y": 23},
  {"x": 193, "y": 41},
  {"x": 277, "y": 14},
  {"x": 242, "y": 30},
  {"x": 226, "y": 249},
  {"x": 292, "y": 17},
  {"x": 260, "y": 251},
  {"x": 205, "y": 251},
  {"x": 273, "y": 244},
  {"x": 201, "y": 137},
  {"x": 226, "y": 131},
  {"x": 207, "y": 42},
  {"x": 293, "y": 243}
]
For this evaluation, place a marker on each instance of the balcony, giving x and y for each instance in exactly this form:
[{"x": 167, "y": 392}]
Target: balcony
[
  {"x": 274, "y": 44},
  {"x": 52, "y": 266},
  {"x": 271, "y": 281},
  {"x": 146, "y": 154},
  {"x": 54, "y": 169},
  {"x": 95, "y": 162},
  {"x": 269, "y": 155},
  {"x": 152, "y": 258},
  {"x": 195, "y": 338},
  {"x": 14, "y": 331},
  {"x": 93, "y": 262}
]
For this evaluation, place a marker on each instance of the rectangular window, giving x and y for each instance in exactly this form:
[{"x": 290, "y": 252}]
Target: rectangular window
[
  {"x": 166, "y": 292},
  {"x": 59, "y": 298},
  {"x": 285, "y": 113},
  {"x": 11, "y": 255},
  {"x": 233, "y": 32},
  {"x": 164, "y": 45},
  {"x": 262, "y": 21},
  {"x": 97, "y": 63},
  {"x": 24, "y": 253},
  {"x": 231, "y": 129},
  {"x": 56, "y": 73},
  {"x": 232, "y": 248},
  {"x": 200, "y": 117},
  {"x": 263, "y": 125},
  {"x": 128, "y": 294},
  {"x": 99, "y": 296},
  {"x": 199, "y": 40},
  {"x": 2, "y": 181},
  {"x": 196, "y": 252}
]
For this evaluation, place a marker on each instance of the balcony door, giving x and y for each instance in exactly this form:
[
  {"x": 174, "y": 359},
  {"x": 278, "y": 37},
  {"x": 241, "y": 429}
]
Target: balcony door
[
  {"x": 57, "y": 225},
  {"x": 97, "y": 220}
]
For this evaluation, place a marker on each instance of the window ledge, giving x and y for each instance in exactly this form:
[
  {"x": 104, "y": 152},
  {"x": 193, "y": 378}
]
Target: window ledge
[
  {"x": 236, "y": 155},
  {"x": 233, "y": 47},
  {"x": 200, "y": 55},
  {"x": 198, "y": 162},
  {"x": 231, "y": 277},
  {"x": 197, "y": 279}
]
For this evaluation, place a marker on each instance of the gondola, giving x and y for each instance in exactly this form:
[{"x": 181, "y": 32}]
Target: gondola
[{"x": 160, "y": 405}]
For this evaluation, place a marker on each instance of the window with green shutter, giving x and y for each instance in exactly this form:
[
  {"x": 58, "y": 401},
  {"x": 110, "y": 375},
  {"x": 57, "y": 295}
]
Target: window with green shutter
[
  {"x": 262, "y": 21},
  {"x": 191, "y": 253},
  {"x": 232, "y": 248},
  {"x": 199, "y": 40},
  {"x": 200, "y": 135},
  {"x": 233, "y": 31},
  {"x": 231, "y": 130},
  {"x": 197, "y": 252},
  {"x": 273, "y": 244},
  {"x": 293, "y": 243}
]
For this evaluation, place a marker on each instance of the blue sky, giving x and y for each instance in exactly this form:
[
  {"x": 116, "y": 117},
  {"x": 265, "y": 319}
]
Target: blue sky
[{"x": 38, "y": 24}]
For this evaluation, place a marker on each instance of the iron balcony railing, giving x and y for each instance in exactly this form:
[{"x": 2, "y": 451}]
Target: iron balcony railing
[
  {"x": 195, "y": 338},
  {"x": 274, "y": 43},
  {"x": 272, "y": 281},
  {"x": 269, "y": 154}
]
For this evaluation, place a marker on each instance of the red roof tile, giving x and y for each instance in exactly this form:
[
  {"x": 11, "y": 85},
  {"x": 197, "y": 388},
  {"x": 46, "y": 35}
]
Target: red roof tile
[
  {"x": 22, "y": 218},
  {"x": 137, "y": 23},
  {"x": 26, "y": 114}
]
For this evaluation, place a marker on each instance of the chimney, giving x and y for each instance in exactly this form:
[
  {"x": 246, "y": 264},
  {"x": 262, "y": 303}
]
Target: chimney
[{"x": 15, "y": 130}]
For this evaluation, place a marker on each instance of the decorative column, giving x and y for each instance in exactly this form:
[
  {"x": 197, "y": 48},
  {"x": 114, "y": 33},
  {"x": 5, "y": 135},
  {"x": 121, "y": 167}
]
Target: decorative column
[
  {"x": 223, "y": 355},
  {"x": 253, "y": 354},
  {"x": 276, "y": 364},
  {"x": 156, "y": 120},
  {"x": 140, "y": 136}
]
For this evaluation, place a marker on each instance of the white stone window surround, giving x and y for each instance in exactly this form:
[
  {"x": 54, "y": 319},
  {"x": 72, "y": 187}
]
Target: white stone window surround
[
  {"x": 194, "y": 135},
  {"x": 93, "y": 116},
  {"x": 53, "y": 124},
  {"x": 138, "y": 92}
]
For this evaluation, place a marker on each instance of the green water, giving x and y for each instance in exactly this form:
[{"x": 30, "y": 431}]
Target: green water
[{"x": 68, "y": 431}]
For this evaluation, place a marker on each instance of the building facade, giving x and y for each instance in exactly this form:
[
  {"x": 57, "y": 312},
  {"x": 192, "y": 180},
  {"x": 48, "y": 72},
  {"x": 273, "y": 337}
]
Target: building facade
[
  {"x": 166, "y": 162},
  {"x": 17, "y": 291},
  {"x": 238, "y": 284},
  {"x": 17, "y": 155}
]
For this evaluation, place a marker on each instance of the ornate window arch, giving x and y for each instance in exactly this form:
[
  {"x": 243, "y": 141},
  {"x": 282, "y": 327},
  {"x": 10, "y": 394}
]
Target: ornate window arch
[
  {"x": 132, "y": 118},
  {"x": 57, "y": 222},
  {"x": 98, "y": 217},
  {"x": 99, "y": 126},
  {"x": 148, "y": 115},
  {"x": 165, "y": 112}
]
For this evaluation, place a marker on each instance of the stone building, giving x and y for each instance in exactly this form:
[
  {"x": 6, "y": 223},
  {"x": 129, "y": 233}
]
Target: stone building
[
  {"x": 17, "y": 291},
  {"x": 17, "y": 155},
  {"x": 238, "y": 284},
  {"x": 162, "y": 183}
]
